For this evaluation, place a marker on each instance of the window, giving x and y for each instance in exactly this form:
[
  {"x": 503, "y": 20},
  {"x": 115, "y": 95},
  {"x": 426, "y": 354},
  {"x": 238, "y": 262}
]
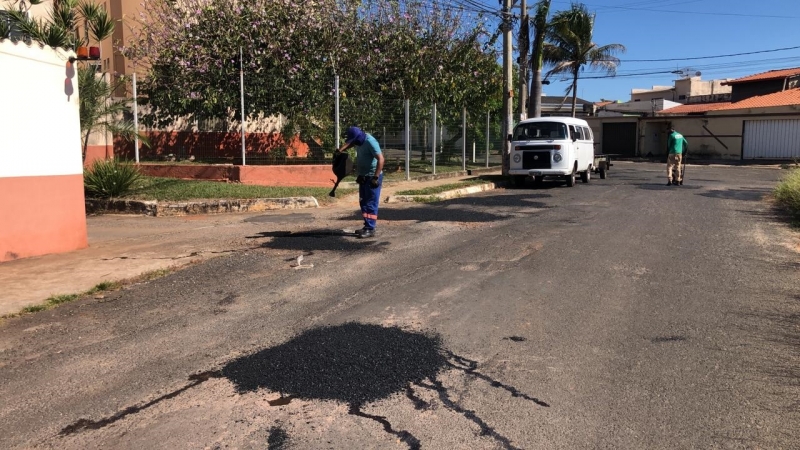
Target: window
[
  {"x": 587, "y": 134},
  {"x": 575, "y": 132},
  {"x": 540, "y": 130},
  {"x": 681, "y": 97}
]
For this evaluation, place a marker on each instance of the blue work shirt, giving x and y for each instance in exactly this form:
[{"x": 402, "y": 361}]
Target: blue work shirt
[{"x": 367, "y": 157}]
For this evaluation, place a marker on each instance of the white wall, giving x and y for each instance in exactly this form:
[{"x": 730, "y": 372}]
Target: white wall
[{"x": 39, "y": 114}]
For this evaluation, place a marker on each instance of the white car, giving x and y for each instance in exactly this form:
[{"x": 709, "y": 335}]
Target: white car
[{"x": 552, "y": 147}]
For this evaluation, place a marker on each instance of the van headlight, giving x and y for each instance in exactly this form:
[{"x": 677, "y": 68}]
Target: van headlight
[
  {"x": 517, "y": 158},
  {"x": 557, "y": 157}
]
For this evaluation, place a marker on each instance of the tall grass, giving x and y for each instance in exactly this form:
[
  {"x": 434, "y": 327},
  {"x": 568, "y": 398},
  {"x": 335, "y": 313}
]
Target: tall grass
[{"x": 788, "y": 193}]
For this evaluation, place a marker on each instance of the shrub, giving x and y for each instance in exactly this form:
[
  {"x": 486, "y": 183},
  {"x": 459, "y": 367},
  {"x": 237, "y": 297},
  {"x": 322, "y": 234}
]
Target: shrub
[
  {"x": 110, "y": 178},
  {"x": 788, "y": 193}
]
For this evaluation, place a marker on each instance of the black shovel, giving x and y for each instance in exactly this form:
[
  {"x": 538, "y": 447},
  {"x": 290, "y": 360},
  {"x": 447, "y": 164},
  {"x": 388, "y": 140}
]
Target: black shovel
[{"x": 342, "y": 166}]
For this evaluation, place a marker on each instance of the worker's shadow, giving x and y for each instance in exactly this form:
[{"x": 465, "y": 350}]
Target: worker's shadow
[
  {"x": 320, "y": 239},
  {"x": 358, "y": 364}
]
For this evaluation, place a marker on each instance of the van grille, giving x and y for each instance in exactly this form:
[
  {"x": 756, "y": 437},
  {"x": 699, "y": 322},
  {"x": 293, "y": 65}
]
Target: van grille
[{"x": 535, "y": 160}]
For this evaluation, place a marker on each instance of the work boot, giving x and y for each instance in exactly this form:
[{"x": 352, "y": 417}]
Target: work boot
[
  {"x": 669, "y": 182},
  {"x": 680, "y": 183},
  {"x": 675, "y": 183},
  {"x": 365, "y": 233}
]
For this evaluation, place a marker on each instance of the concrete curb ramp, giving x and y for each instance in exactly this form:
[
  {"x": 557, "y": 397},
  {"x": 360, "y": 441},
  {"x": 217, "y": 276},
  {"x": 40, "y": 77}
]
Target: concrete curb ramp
[
  {"x": 162, "y": 209},
  {"x": 443, "y": 195}
]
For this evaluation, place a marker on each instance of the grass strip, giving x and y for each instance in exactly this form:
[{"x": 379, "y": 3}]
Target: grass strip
[
  {"x": 171, "y": 189},
  {"x": 105, "y": 286},
  {"x": 418, "y": 168},
  {"x": 787, "y": 193}
]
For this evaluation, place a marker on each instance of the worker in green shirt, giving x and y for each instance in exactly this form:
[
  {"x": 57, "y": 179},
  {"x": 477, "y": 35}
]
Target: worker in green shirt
[{"x": 676, "y": 147}]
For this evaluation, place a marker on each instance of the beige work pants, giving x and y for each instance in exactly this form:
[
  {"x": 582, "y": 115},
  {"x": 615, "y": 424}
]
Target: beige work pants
[{"x": 674, "y": 162}]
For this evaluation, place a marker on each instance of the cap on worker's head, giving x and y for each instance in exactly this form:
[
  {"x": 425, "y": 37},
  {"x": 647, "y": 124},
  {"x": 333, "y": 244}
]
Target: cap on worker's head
[
  {"x": 671, "y": 127},
  {"x": 355, "y": 135}
]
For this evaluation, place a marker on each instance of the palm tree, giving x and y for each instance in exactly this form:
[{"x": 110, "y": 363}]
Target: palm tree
[
  {"x": 540, "y": 27},
  {"x": 99, "y": 111},
  {"x": 571, "y": 47}
]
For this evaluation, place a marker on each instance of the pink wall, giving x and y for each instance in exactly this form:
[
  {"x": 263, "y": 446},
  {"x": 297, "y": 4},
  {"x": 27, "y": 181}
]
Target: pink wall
[
  {"x": 277, "y": 175},
  {"x": 41, "y": 214},
  {"x": 316, "y": 176}
]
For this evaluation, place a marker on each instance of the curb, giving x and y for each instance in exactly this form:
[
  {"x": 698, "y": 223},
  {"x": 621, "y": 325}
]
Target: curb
[
  {"x": 444, "y": 176},
  {"x": 443, "y": 195},
  {"x": 440, "y": 176},
  {"x": 163, "y": 209}
]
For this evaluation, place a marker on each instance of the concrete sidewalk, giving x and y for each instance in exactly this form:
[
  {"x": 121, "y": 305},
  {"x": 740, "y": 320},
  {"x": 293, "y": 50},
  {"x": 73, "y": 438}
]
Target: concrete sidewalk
[{"x": 122, "y": 247}]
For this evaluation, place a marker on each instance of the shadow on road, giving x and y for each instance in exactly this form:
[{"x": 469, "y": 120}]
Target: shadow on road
[
  {"x": 737, "y": 194},
  {"x": 321, "y": 239},
  {"x": 434, "y": 212},
  {"x": 664, "y": 187}
]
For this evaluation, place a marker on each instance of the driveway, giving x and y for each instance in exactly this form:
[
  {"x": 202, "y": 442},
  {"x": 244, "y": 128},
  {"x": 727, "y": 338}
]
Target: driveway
[{"x": 618, "y": 314}]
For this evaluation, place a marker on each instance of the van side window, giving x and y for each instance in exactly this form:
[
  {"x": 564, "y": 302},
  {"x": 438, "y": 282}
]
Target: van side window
[
  {"x": 573, "y": 132},
  {"x": 587, "y": 134}
]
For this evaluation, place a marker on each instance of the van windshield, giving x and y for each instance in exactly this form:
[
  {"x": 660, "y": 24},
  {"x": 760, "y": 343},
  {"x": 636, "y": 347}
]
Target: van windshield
[{"x": 540, "y": 131}]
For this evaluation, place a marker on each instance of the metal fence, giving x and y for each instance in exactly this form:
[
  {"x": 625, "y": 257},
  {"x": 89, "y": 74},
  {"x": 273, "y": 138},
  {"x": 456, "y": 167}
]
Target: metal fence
[{"x": 415, "y": 138}]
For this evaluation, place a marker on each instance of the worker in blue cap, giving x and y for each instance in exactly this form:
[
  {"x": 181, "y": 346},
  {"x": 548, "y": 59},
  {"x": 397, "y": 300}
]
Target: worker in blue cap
[{"x": 369, "y": 176}]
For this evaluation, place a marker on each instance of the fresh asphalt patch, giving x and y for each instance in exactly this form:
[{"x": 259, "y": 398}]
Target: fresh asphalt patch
[{"x": 352, "y": 363}]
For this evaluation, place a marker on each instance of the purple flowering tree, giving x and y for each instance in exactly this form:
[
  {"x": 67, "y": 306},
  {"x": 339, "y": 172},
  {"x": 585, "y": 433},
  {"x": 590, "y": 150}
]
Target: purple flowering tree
[{"x": 292, "y": 50}]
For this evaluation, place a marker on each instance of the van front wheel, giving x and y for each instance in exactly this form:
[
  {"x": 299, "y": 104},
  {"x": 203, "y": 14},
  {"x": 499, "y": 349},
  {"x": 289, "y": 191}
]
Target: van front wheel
[{"x": 570, "y": 179}]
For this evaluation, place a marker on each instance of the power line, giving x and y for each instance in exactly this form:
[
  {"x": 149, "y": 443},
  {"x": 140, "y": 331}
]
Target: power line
[
  {"x": 713, "y": 56},
  {"x": 766, "y": 16},
  {"x": 751, "y": 64},
  {"x": 717, "y": 67}
]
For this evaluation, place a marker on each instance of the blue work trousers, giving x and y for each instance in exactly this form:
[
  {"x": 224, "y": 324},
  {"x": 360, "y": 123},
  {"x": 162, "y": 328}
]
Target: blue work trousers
[{"x": 369, "y": 197}]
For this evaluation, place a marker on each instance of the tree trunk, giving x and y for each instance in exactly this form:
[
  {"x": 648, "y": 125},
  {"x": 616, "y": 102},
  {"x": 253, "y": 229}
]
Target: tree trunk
[
  {"x": 537, "y": 59},
  {"x": 86, "y": 143},
  {"x": 535, "y": 99},
  {"x": 524, "y": 47},
  {"x": 574, "y": 91}
]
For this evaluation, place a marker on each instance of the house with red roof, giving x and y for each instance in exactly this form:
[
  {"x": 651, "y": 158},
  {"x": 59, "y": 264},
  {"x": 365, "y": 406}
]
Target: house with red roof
[{"x": 761, "y": 120}]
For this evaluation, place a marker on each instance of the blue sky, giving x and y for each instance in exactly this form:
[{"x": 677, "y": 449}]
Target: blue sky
[{"x": 697, "y": 28}]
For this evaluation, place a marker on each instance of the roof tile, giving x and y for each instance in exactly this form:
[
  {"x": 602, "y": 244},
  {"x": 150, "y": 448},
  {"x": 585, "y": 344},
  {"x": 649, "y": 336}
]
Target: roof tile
[
  {"x": 771, "y": 75},
  {"x": 785, "y": 98},
  {"x": 695, "y": 108}
]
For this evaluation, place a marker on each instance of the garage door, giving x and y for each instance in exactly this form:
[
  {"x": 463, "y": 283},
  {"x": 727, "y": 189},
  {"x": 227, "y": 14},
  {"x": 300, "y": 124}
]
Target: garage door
[
  {"x": 771, "y": 139},
  {"x": 619, "y": 138}
]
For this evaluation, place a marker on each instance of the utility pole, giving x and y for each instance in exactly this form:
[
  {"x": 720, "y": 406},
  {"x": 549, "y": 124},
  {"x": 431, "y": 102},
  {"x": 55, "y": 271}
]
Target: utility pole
[
  {"x": 523, "y": 48},
  {"x": 508, "y": 92}
]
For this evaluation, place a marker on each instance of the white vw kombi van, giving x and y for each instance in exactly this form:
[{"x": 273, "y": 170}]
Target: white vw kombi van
[{"x": 552, "y": 147}]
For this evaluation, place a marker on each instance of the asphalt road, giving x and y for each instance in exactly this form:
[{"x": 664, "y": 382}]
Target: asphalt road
[{"x": 618, "y": 314}]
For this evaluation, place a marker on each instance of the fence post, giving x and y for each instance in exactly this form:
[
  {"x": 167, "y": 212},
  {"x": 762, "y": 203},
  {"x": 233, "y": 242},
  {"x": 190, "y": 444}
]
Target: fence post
[
  {"x": 408, "y": 139},
  {"x": 135, "y": 121},
  {"x": 473, "y": 151},
  {"x": 241, "y": 83},
  {"x": 433, "y": 144},
  {"x": 487, "y": 139},
  {"x": 464, "y": 139},
  {"x": 336, "y": 131}
]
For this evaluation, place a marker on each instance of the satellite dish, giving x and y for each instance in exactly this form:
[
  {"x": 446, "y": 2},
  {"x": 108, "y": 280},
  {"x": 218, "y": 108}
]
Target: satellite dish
[{"x": 697, "y": 74}]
